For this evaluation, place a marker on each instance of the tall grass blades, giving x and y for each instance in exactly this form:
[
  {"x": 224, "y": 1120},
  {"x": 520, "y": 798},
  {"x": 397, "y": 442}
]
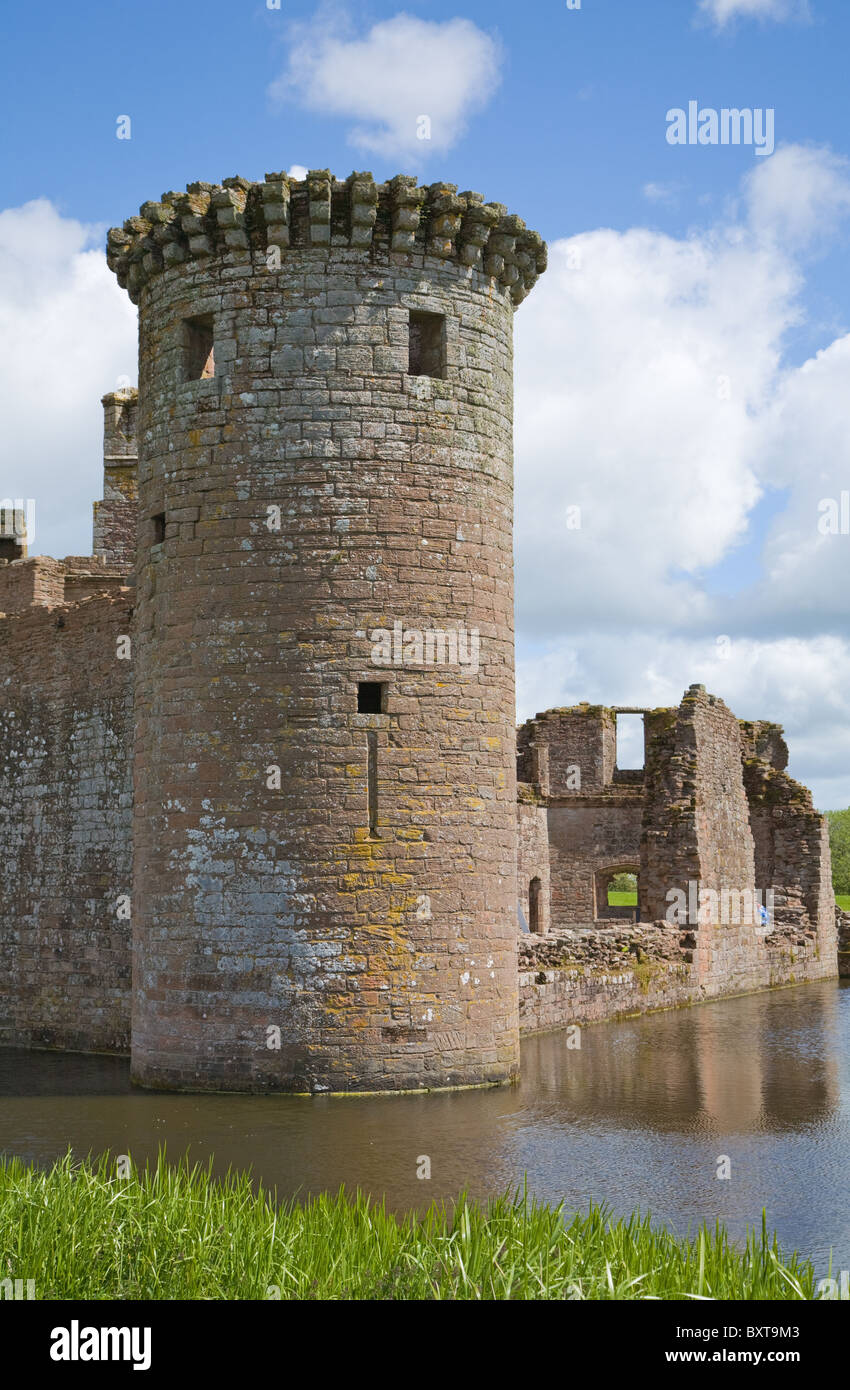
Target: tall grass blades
[{"x": 175, "y": 1232}]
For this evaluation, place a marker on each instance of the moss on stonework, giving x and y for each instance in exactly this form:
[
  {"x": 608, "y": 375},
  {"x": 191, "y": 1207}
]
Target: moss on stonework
[{"x": 644, "y": 971}]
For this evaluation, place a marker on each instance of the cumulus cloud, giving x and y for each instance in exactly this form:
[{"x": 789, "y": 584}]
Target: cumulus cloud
[
  {"x": 67, "y": 332},
  {"x": 667, "y": 193},
  {"x": 723, "y": 12},
  {"x": 652, "y": 396},
  {"x": 799, "y": 196},
  {"x": 409, "y": 85}
]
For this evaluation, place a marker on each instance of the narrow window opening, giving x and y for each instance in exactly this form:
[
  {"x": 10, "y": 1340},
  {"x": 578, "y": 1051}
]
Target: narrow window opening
[
  {"x": 158, "y": 528},
  {"x": 370, "y": 697},
  {"x": 534, "y": 905},
  {"x": 372, "y": 780},
  {"x": 630, "y": 742},
  {"x": 198, "y": 350},
  {"x": 426, "y": 350}
]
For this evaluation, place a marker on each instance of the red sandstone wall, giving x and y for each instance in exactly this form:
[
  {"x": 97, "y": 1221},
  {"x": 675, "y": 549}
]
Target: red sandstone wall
[
  {"x": 65, "y": 809},
  {"x": 387, "y": 959},
  {"x": 40, "y": 580},
  {"x": 585, "y": 839},
  {"x": 533, "y": 855},
  {"x": 609, "y": 973}
]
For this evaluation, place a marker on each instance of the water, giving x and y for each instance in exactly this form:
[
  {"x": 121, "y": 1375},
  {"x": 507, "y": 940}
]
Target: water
[{"x": 638, "y": 1117}]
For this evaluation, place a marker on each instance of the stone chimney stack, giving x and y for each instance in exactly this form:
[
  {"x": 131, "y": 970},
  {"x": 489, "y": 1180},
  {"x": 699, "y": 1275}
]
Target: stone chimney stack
[{"x": 115, "y": 516}]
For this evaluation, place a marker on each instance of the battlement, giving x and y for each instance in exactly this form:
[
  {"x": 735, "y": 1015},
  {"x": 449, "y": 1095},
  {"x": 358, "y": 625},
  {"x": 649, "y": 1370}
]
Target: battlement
[
  {"x": 241, "y": 219},
  {"x": 40, "y": 581}
]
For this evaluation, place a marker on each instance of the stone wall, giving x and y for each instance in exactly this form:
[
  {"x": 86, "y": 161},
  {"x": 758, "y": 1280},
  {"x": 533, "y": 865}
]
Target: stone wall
[
  {"x": 617, "y": 972},
  {"x": 719, "y": 830},
  {"x": 594, "y": 816},
  {"x": 696, "y": 816},
  {"x": 23, "y": 583},
  {"x": 568, "y": 752},
  {"x": 533, "y": 882},
  {"x": 791, "y": 838},
  {"x": 65, "y": 811},
  {"x": 364, "y": 904},
  {"x": 116, "y": 515}
]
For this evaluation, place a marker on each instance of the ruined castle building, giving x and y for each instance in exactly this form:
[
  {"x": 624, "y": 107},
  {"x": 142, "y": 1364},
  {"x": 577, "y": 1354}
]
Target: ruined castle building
[{"x": 324, "y": 890}]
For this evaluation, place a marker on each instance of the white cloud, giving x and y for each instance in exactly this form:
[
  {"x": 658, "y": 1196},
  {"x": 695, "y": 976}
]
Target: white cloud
[
  {"x": 67, "y": 331},
  {"x": 723, "y": 12},
  {"x": 403, "y": 80},
  {"x": 667, "y": 193},
  {"x": 298, "y": 172},
  {"x": 651, "y": 392},
  {"x": 798, "y": 196}
]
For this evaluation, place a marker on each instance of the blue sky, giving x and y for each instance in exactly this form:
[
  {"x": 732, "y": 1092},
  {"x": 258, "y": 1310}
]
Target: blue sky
[
  {"x": 576, "y": 131},
  {"x": 672, "y": 269}
]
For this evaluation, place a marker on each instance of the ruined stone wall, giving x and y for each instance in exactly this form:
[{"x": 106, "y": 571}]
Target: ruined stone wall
[
  {"x": 696, "y": 815},
  {"x": 365, "y": 905},
  {"x": 533, "y": 857},
  {"x": 65, "y": 811},
  {"x": 594, "y": 819},
  {"x": 708, "y": 781},
  {"x": 560, "y": 741},
  {"x": 793, "y": 860},
  {"x": 587, "y": 842},
  {"x": 615, "y": 972},
  {"x": 23, "y": 583}
]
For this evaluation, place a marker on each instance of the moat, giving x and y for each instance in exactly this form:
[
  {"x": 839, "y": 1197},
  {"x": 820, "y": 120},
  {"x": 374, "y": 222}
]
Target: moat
[{"x": 637, "y": 1117}]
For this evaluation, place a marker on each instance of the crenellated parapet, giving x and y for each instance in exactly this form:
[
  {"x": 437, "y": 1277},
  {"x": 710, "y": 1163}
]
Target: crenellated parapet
[{"x": 242, "y": 219}]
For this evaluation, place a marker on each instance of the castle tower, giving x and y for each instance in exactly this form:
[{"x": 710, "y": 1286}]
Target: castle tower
[{"x": 325, "y": 820}]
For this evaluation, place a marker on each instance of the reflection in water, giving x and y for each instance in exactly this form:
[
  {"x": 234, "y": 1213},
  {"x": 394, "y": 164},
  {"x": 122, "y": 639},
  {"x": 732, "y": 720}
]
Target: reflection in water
[{"x": 637, "y": 1117}]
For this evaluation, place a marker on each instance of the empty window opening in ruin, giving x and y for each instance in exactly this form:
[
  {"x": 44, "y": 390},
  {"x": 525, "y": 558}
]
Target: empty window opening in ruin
[
  {"x": 372, "y": 780},
  {"x": 158, "y": 523},
  {"x": 370, "y": 697},
  {"x": 198, "y": 350},
  {"x": 630, "y": 742},
  {"x": 622, "y": 890},
  {"x": 534, "y": 905},
  {"x": 426, "y": 344}
]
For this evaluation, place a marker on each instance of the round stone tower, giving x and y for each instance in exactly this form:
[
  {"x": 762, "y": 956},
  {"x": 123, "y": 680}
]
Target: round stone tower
[{"x": 324, "y": 836}]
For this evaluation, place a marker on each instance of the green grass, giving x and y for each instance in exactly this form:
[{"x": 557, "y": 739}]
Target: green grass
[
  {"x": 176, "y": 1233},
  {"x": 621, "y": 899},
  {"x": 843, "y": 900}
]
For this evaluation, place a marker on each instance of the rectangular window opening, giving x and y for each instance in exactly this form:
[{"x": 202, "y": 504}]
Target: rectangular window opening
[
  {"x": 630, "y": 742},
  {"x": 158, "y": 528},
  {"x": 372, "y": 781},
  {"x": 198, "y": 350},
  {"x": 370, "y": 697},
  {"x": 426, "y": 344}
]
